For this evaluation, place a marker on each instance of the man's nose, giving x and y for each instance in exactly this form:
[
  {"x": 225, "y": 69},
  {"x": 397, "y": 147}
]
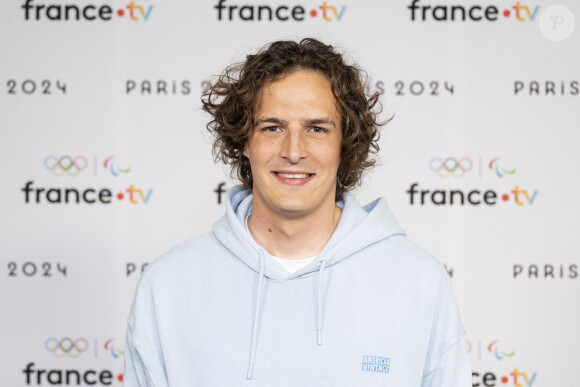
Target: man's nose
[{"x": 294, "y": 148}]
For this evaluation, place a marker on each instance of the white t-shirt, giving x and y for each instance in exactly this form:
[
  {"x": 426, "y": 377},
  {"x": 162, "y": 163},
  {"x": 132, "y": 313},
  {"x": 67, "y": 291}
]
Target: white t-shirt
[
  {"x": 290, "y": 265},
  {"x": 293, "y": 265}
]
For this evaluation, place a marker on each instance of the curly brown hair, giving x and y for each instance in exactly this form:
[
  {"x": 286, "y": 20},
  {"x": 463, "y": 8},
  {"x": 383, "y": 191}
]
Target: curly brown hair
[{"x": 230, "y": 100}]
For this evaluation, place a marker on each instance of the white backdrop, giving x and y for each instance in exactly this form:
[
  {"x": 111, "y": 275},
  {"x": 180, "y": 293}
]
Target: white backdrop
[{"x": 107, "y": 107}]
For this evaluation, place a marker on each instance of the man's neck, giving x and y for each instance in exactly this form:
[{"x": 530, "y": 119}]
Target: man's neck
[{"x": 293, "y": 237}]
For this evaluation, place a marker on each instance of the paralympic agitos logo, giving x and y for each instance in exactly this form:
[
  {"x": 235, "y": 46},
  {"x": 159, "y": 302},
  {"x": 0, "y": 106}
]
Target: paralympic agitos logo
[
  {"x": 71, "y": 167},
  {"x": 451, "y": 168}
]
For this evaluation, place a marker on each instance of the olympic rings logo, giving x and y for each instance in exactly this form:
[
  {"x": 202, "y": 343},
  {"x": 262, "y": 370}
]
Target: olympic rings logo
[
  {"x": 66, "y": 347},
  {"x": 451, "y": 166},
  {"x": 66, "y": 165}
]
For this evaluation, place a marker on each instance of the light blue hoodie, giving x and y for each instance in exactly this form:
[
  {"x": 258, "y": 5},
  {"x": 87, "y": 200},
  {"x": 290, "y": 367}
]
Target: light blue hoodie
[{"x": 373, "y": 309}]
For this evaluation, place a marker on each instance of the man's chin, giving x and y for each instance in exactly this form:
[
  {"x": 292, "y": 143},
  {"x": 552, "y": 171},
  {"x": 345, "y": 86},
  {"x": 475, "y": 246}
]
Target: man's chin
[
  {"x": 292, "y": 207},
  {"x": 293, "y": 210}
]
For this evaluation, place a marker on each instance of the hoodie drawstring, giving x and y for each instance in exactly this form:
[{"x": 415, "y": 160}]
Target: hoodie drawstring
[
  {"x": 257, "y": 314},
  {"x": 319, "y": 306},
  {"x": 258, "y": 310}
]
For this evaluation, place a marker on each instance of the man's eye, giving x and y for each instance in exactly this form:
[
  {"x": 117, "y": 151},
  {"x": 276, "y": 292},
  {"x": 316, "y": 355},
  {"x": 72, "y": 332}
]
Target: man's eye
[
  {"x": 317, "y": 129},
  {"x": 271, "y": 129}
]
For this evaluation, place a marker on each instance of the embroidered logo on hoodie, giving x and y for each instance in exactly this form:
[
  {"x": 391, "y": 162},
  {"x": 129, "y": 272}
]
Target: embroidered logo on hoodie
[{"x": 376, "y": 364}]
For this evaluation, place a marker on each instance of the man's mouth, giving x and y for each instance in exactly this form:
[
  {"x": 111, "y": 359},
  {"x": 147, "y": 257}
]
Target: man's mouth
[{"x": 293, "y": 175}]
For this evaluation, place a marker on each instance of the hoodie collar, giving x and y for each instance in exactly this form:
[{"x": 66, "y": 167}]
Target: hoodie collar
[{"x": 358, "y": 228}]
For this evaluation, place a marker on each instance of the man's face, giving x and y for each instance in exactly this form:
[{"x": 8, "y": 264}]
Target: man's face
[{"x": 294, "y": 148}]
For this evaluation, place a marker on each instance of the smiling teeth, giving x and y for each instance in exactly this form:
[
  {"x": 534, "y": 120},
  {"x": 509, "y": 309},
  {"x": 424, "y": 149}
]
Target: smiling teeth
[{"x": 293, "y": 175}]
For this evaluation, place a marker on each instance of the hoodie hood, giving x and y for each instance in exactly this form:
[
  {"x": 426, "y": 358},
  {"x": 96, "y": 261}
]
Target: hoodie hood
[{"x": 357, "y": 228}]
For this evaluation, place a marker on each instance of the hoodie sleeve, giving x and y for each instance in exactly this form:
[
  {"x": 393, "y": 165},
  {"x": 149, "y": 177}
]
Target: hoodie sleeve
[
  {"x": 144, "y": 365},
  {"x": 447, "y": 363}
]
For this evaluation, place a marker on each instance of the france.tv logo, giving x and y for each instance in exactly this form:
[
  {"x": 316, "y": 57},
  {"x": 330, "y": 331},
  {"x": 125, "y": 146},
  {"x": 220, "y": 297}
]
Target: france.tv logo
[
  {"x": 86, "y": 12},
  {"x": 518, "y": 11},
  {"x": 231, "y": 12}
]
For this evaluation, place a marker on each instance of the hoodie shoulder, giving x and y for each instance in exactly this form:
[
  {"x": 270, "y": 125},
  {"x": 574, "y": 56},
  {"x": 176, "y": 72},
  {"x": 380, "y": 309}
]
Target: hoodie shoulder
[
  {"x": 419, "y": 255},
  {"x": 190, "y": 255},
  {"x": 406, "y": 256}
]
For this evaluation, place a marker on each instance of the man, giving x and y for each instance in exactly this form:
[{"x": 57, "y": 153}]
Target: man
[{"x": 297, "y": 285}]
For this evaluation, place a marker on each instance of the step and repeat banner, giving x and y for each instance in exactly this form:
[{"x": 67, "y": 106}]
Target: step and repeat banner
[{"x": 107, "y": 163}]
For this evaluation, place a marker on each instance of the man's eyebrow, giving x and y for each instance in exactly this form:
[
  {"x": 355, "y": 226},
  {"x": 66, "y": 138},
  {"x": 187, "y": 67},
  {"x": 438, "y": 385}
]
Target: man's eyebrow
[
  {"x": 272, "y": 120},
  {"x": 309, "y": 122},
  {"x": 318, "y": 121}
]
